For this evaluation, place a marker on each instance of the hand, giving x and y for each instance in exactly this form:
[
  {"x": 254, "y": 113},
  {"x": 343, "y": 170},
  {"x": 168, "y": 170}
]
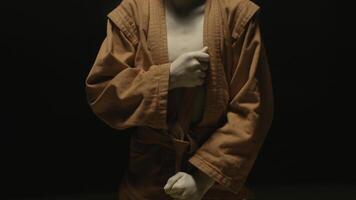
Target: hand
[
  {"x": 187, "y": 187},
  {"x": 188, "y": 70},
  {"x": 182, "y": 186}
]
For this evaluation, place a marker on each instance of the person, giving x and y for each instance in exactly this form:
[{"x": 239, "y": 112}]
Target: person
[{"x": 154, "y": 53}]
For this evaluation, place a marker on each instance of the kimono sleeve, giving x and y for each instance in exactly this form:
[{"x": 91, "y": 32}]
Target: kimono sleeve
[
  {"x": 120, "y": 93},
  {"x": 229, "y": 153}
]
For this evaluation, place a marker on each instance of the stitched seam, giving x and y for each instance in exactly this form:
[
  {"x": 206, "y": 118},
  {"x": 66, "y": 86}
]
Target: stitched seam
[{"x": 226, "y": 179}]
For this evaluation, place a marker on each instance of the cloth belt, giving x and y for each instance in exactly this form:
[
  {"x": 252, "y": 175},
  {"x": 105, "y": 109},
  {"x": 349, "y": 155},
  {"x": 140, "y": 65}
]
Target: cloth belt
[
  {"x": 178, "y": 137},
  {"x": 182, "y": 140}
]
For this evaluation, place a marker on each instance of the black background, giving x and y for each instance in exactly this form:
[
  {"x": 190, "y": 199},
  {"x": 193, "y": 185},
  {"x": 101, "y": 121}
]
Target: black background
[{"x": 51, "y": 142}]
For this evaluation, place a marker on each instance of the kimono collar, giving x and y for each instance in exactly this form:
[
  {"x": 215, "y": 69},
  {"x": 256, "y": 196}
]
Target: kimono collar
[{"x": 217, "y": 95}]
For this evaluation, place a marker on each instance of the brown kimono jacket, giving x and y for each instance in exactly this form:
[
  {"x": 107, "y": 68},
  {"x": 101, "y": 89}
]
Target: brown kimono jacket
[{"x": 127, "y": 87}]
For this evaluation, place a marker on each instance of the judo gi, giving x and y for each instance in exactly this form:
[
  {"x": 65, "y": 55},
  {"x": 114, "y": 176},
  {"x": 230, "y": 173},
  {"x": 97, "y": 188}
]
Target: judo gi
[{"x": 128, "y": 87}]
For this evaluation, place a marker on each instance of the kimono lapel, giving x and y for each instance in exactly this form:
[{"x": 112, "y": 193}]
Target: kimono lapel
[{"x": 216, "y": 86}]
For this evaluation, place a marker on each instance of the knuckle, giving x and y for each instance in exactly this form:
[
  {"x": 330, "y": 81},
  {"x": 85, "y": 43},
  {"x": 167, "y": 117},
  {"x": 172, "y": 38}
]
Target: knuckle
[{"x": 194, "y": 63}]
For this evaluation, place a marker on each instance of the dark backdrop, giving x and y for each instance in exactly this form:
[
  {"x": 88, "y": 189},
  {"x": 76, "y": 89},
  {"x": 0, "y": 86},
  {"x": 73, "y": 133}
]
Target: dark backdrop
[{"x": 51, "y": 142}]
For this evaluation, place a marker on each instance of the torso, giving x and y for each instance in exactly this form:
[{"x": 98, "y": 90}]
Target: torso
[{"x": 185, "y": 34}]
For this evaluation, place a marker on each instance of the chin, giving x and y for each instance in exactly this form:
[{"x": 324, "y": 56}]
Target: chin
[{"x": 181, "y": 3}]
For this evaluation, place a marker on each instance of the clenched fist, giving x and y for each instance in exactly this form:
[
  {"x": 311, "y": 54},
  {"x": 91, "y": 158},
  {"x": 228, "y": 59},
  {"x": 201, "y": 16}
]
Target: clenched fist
[
  {"x": 188, "y": 70},
  {"x": 187, "y": 187}
]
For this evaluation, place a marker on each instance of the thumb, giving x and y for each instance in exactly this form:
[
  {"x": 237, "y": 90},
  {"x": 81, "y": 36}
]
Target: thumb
[
  {"x": 205, "y": 49},
  {"x": 201, "y": 55}
]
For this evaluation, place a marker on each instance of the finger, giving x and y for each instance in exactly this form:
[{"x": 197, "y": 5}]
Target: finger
[
  {"x": 177, "y": 195},
  {"x": 200, "y": 73},
  {"x": 205, "y": 49},
  {"x": 204, "y": 66},
  {"x": 172, "y": 180},
  {"x": 200, "y": 65},
  {"x": 201, "y": 56},
  {"x": 175, "y": 192},
  {"x": 170, "y": 183},
  {"x": 178, "y": 187},
  {"x": 196, "y": 65}
]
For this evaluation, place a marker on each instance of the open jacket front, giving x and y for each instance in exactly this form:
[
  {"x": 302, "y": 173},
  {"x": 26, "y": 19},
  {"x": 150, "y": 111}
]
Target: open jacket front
[{"x": 127, "y": 87}]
